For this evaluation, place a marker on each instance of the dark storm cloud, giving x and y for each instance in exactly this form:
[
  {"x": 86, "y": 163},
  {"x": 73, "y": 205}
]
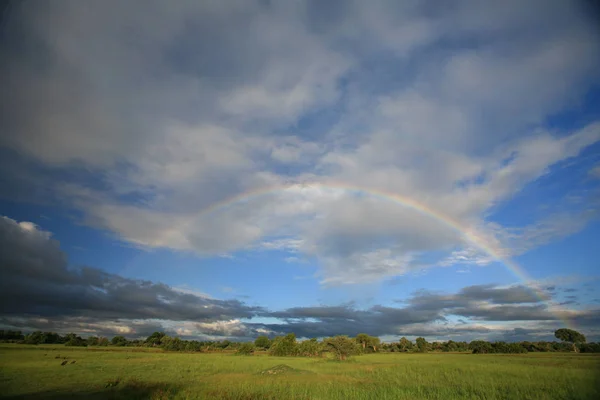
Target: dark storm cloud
[
  {"x": 35, "y": 280},
  {"x": 39, "y": 291},
  {"x": 86, "y": 326},
  {"x": 513, "y": 294}
]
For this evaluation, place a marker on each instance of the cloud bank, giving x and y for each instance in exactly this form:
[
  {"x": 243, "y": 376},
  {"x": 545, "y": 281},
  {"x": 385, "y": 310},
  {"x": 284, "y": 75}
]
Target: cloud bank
[{"x": 38, "y": 290}]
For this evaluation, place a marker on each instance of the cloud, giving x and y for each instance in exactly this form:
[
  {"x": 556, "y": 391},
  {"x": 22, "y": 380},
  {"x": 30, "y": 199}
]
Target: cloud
[
  {"x": 38, "y": 290},
  {"x": 144, "y": 117},
  {"x": 36, "y": 280}
]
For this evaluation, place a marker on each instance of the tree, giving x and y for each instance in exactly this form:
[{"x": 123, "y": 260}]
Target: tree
[
  {"x": 74, "y": 340},
  {"x": 262, "y": 342},
  {"x": 570, "y": 336},
  {"x": 155, "y": 339},
  {"x": 363, "y": 340},
  {"x": 119, "y": 341},
  {"x": 245, "y": 349},
  {"x": 374, "y": 343},
  {"x": 404, "y": 344},
  {"x": 481, "y": 347},
  {"x": 341, "y": 346},
  {"x": 310, "y": 348},
  {"x": 224, "y": 344},
  {"x": 422, "y": 344},
  {"x": 284, "y": 346}
]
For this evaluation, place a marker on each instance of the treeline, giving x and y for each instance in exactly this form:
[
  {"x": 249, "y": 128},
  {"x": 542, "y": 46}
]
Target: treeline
[{"x": 288, "y": 345}]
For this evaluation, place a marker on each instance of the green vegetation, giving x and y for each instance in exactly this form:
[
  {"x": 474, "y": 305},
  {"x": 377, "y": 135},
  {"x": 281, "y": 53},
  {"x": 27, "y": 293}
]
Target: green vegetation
[
  {"x": 245, "y": 349},
  {"x": 37, "y": 372},
  {"x": 570, "y": 336},
  {"x": 289, "y": 346},
  {"x": 342, "y": 347},
  {"x": 262, "y": 342}
]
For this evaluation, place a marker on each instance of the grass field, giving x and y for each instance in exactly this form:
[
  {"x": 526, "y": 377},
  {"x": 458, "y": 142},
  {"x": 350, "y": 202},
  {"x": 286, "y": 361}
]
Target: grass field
[{"x": 37, "y": 373}]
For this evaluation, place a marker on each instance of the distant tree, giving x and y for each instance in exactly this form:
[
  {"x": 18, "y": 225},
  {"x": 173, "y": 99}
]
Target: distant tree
[
  {"x": 118, "y": 341},
  {"x": 9, "y": 335},
  {"x": 173, "y": 344},
  {"x": 570, "y": 336},
  {"x": 155, "y": 339},
  {"x": 102, "y": 341},
  {"x": 481, "y": 347},
  {"x": 422, "y": 344},
  {"x": 374, "y": 343},
  {"x": 450, "y": 346},
  {"x": 342, "y": 346},
  {"x": 284, "y": 345},
  {"x": 74, "y": 340},
  {"x": 225, "y": 344},
  {"x": 310, "y": 348},
  {"x": 262, "y": 342},
  {"x": 245, "y": 349},
  {"x": 363, "y": 340},
  {"x": 92, "y": 341},
  {"x": 404, "y": 344},
  {"x": 590, "y": 348},
  {"x": 39, "y": 337}
]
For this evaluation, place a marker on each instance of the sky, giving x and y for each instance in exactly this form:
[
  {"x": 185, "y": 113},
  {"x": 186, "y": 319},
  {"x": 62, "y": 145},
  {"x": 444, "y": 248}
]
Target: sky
[{"x": 222, "y": 170}]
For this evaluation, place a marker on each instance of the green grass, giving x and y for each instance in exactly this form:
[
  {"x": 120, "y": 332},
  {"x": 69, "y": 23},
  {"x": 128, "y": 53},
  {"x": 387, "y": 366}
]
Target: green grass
[{"x": 35, "y": 372}]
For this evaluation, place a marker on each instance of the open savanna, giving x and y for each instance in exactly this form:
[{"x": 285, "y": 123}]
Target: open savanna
[{"x": 36, "y": 372}]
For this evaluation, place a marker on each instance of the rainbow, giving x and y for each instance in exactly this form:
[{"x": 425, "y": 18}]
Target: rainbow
[{"x": 466, "y": 232}]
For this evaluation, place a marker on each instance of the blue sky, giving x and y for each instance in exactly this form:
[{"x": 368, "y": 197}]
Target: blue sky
[{"x": 125, "y": 126}]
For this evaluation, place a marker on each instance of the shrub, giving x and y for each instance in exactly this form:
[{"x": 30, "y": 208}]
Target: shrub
[
  {"x": 310, "y": 348},
  {"x": 284, "y": 346},
  {"x": 245, "y": 349},
  {"x": 262, "y": 342},
  {"x": 422, "y": 344},
  {"x": 342, "y": 347}
]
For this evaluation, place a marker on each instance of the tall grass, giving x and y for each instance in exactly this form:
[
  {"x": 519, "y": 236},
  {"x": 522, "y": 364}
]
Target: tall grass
[{"x": 37, "y": 373}]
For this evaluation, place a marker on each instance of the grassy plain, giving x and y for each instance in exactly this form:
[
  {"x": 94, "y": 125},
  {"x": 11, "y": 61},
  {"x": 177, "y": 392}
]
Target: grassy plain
[{"x": 35, "y": 372}]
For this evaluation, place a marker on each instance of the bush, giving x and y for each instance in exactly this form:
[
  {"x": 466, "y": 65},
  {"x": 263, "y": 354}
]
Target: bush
[
  {"x": 119, "y": 341},
  {"x": 422, "y": 344},
  {"x": 245, "y": 349},
  {"x": 76, "y": 342},
  {"x": 342, "y": 347},
  {"x": 310, "y": 348},
  {"x": 284, "y": 346},
  {"x": 262, "y": 342}
]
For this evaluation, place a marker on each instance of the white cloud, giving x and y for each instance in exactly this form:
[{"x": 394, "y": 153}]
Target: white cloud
[{"x": 181, "y": 108}]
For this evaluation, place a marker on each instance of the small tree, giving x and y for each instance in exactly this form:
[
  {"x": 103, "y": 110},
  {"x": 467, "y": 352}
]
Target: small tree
[
  {"x": 404, "y": 344},
  {"x": 262, "y": 342},
  {"x": 155, "y": 339},
  {"x": 119, "y": 341},
  {"x": 570, "y": 336},
  {"x": 422, "y": 344},
  {"x": 284, "y": 346},
  {"x": 481, "y": 347},
  {"x": 363, "y": 340},
  {"x": 245, "y": 349},
  {"x": 341, "y": 347},
  {"x": 374, "y": 343},
  {"x": 310, "y": 348},
  {"x": 74, "y": 340}
]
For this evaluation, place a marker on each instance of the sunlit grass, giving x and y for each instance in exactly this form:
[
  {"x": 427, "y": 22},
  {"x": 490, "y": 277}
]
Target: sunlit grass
[{"x": 36, "y": 372}]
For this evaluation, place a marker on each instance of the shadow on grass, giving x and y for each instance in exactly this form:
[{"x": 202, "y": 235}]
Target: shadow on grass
[{"x": 129, "y": 390}]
